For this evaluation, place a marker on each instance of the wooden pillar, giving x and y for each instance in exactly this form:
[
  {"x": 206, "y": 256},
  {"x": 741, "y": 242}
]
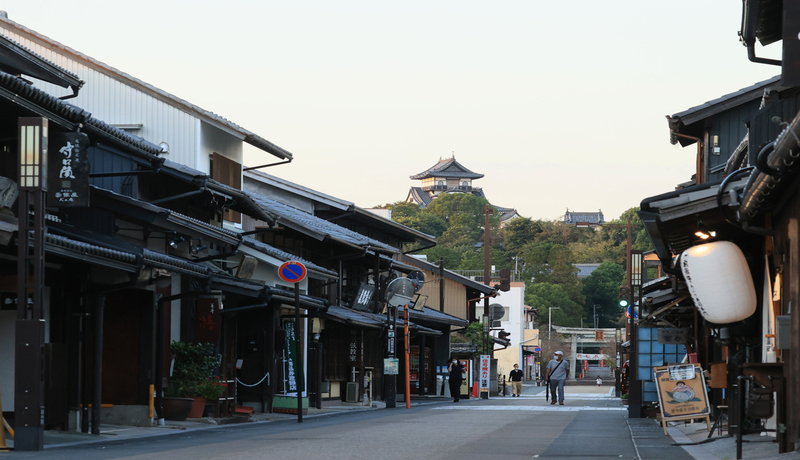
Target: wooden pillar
[{"x": 793, "y": 361}]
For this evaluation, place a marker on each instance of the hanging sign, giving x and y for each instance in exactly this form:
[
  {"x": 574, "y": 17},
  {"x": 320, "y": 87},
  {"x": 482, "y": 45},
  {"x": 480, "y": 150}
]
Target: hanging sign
[
  {"x": 207, "y": 319},
  {"x": 68, "y": 170},
  {"x": 292, "y": 271}
]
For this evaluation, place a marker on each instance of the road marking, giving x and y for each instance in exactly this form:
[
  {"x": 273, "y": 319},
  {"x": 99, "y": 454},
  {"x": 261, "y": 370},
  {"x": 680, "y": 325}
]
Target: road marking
[{"x": 532, "y": 408}]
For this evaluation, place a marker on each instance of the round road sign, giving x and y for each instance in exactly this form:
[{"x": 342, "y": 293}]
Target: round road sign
[
  {"x": 292, "y": 271},
  {"x": 537, "y": 350}
]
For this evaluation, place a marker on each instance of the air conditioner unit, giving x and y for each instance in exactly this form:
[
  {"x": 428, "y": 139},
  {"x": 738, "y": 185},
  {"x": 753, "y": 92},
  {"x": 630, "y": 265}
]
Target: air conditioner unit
[{"x": 352, "y": 392}]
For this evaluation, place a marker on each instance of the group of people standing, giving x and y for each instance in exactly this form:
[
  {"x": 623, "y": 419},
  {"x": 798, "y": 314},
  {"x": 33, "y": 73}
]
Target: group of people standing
[{"x": 556, "y": 374}]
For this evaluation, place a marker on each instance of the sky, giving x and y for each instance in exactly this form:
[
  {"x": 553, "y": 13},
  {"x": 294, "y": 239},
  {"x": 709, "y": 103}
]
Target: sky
[{"x": 559, "y": 104}]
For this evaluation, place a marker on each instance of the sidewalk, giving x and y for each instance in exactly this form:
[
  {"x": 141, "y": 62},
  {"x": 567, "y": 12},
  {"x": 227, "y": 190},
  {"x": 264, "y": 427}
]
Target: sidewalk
[
  {"x": 693, "y": 438},
  {"x": 112, "y": 433}
]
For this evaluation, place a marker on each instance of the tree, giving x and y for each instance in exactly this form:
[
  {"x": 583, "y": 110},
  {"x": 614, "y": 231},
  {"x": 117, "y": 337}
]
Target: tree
[
  {"x": 602, "y": 288},
  {"x": 543, "y": 296},
  {"x": 519, "y": 232}
]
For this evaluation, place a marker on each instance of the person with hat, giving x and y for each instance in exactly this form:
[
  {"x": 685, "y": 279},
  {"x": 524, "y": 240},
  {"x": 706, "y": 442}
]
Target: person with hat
[{"x": 555, "y": 375}]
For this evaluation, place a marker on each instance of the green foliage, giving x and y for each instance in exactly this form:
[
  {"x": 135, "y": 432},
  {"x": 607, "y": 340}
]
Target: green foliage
[
  {"x": 602, "y": 288},
  {"x": 194, "y": 365},
  {"x": 543, "y": 296},
  {"x": 477, "y": 337}
]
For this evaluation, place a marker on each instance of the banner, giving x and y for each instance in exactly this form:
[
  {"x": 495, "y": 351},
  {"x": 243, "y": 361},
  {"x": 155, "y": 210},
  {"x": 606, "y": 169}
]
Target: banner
[
  {"x": 293, "y": 380},
  {"x": 68, "y": 170}
]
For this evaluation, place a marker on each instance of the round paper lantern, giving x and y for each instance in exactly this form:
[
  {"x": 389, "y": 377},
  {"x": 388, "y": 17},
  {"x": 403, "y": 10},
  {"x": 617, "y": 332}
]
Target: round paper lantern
[{"x": 719, "y": 280}]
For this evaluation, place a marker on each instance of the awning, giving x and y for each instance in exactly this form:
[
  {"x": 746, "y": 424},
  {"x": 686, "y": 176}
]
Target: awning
[
  {"x": 352, "y": 317},
  {"x": 91, "y": 253},
  {"x": 429, "y": 315},
  {"x": 314, "y": 270},
  {"x": 674, "y": 221}
]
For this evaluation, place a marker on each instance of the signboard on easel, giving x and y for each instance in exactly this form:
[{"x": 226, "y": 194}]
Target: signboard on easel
[{"x": 682, "y": 393}]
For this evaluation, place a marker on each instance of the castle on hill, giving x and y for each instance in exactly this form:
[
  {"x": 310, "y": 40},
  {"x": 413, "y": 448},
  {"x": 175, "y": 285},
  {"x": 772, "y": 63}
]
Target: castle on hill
[{"x": 450, "y": 176}]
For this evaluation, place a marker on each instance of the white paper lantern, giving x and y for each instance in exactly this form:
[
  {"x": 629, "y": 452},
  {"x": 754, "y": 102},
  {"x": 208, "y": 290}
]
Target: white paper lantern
[{"x": 719, "y": 280}]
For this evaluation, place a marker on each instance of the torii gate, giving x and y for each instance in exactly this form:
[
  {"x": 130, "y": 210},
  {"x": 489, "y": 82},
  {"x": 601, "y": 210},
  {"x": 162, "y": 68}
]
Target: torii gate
[{"x": 609, "y": 336}]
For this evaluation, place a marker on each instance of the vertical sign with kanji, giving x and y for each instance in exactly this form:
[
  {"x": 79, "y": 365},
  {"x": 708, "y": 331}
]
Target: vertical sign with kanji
[
  {"x": 68, "y": 171},
  {"x": 484, "y": 373},
  {"x": 294, "y": 373}
]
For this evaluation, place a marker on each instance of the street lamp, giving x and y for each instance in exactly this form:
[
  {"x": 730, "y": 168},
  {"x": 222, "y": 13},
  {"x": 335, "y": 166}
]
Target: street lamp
[
  {"x": 550, "y": 321},
  {"x": 29, "y": 359}
]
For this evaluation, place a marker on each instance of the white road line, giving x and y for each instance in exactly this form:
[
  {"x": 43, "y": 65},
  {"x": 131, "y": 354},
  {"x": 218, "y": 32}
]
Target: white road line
[{"x": 533, "y": 408}]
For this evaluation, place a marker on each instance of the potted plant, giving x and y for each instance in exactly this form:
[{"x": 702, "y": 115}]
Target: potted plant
[
  {"x": 211, "y": 389},
  {"x": 193, "y": 369},
  {"x": 624, "y": 399}
]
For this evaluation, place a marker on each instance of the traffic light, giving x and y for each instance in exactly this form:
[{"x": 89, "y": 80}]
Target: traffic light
[
  {"x": 505, "y": 280},
  {"x": 503, "y": 335},
  {"x": 624, "y": 296}
]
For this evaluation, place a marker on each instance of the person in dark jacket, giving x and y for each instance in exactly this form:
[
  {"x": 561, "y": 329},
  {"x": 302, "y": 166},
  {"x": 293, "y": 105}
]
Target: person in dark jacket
[
  {"x": 516, "y": 381},
  {"x": 456, "y": 371}
]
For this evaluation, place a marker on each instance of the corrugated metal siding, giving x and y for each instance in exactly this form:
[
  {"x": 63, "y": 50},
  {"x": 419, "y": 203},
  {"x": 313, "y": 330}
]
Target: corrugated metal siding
[
  {"x": 102, "y": 161},
  {"x": 115, "y": 102},
  {"x": 764, "y": 130},
  {"x": 731, "y": 128}
]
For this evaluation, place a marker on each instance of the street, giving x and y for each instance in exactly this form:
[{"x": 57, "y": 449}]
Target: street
[{"x": 591, "y": 424}]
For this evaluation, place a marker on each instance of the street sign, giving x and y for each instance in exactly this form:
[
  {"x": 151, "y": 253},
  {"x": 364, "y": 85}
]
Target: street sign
[
  {"x": 292, "y": 271},
  {"x": 484, "y": 375},
  {"x": 537, "y": 349}
]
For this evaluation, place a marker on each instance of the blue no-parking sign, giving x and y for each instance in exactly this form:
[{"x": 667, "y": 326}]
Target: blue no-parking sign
[{"x": 292, "y": 271}]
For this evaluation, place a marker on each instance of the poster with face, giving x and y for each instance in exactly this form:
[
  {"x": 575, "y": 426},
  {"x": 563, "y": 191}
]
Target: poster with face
[{"x": 682, "y": 398}]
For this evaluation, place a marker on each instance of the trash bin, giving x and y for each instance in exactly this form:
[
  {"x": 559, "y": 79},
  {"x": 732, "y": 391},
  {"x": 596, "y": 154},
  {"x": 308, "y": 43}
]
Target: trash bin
[
  {"x": 446, "y": 385},
  {"x": 439, "y": 384}
]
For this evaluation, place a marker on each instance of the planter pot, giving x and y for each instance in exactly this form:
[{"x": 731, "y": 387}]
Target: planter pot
[
  {"x": 625, "y": 402},
  {"x": 177, "y": 409},
  {"x": 209, "y": 409},
  {"x": 197, "y": 407}
]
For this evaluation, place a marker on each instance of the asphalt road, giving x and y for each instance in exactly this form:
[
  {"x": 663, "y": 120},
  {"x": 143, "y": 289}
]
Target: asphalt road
[{"x": 586, "y": 427}]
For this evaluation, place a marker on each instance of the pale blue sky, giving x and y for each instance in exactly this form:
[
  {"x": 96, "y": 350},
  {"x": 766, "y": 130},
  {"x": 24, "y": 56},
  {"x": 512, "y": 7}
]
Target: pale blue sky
[{"x": 560, "y": 104}]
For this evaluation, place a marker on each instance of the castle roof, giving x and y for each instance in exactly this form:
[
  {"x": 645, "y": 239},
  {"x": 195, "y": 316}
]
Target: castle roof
[{"x": 448, "y": 168}]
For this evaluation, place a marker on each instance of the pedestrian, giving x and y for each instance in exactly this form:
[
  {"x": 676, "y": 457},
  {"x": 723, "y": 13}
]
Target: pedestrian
[
  {"x": 557, "y": 373},
  {"x": 516, "y": 381},
  {"x": 456, "y": 371},
  {"x": 599, "y": 381}
]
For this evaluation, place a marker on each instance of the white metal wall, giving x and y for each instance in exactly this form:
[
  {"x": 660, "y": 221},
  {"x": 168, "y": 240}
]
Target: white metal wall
[{"x": 115, "y": 101}]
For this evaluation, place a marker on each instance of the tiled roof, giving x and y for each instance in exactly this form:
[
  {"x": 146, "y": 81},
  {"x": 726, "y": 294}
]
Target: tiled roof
[
  {"x": 448, "y": 168},
  {"x": 90, "y": 249},
  {"x": 285, "y": 256},
  {"x": 435, "y": 316},
  {"x": 22, "y": 59},
  {"x": 419, "y": 196},
  {"x": 572, "y": 217},
  {"x": 306, "y": 301},
  {"x": 584, "y": 270},
  {"x": 348, "y": 316},
  {"x": 314, "y": 226},
  {"x": 210, "y": 117},
  {"x": 20, "y": 92},
  {"x": 168, "y": 262}
]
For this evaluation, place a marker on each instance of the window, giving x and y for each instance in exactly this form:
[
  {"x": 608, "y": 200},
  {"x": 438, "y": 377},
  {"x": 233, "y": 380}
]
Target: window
[
  {"x": 653, "y": 354},
  {"x": 228, "y": 172}
]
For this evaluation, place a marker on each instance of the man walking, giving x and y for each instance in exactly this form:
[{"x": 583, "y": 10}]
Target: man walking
[
  {"x": 556, "y": 374},
  {"x": 516, "y": 381}
]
